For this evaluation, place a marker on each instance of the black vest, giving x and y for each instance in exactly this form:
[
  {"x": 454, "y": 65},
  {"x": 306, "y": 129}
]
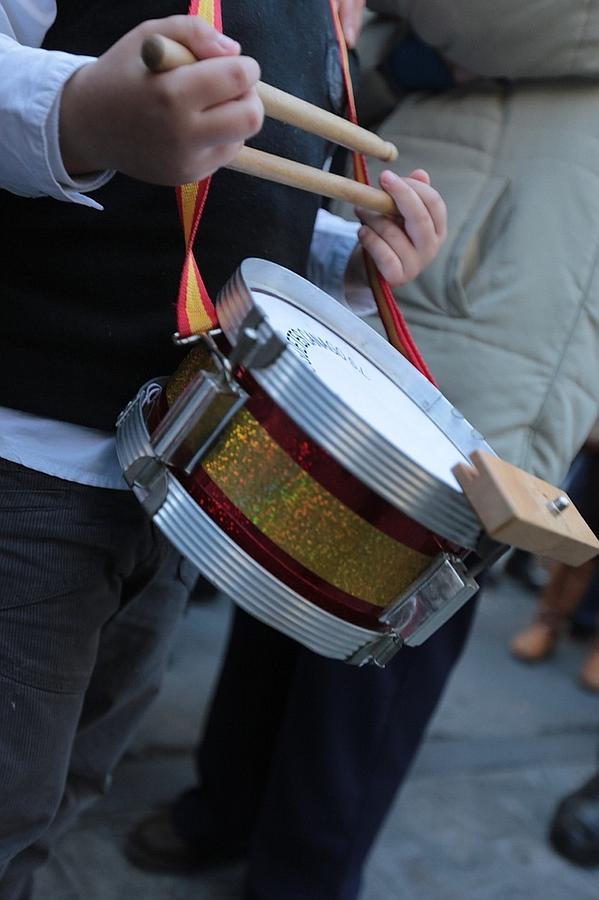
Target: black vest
[{"x": 87, "y": 304}]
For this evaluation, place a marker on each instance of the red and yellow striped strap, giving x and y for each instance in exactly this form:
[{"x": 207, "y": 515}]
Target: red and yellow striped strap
[
  {"x": 195, "y": 310},
  {"x": 395, "y": 325}
]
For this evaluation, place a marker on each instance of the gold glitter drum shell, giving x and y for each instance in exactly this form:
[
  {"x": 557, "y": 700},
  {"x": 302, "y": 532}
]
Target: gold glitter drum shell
[{"x": 326, "y": 506}]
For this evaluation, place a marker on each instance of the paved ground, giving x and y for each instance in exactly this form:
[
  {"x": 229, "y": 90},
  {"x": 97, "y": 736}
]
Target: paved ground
[{"x": 507, "y": 742}]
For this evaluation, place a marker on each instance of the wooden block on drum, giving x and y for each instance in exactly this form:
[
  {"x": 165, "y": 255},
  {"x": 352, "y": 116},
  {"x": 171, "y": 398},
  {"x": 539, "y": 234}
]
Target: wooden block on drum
[{"x": 519, "y": 509}]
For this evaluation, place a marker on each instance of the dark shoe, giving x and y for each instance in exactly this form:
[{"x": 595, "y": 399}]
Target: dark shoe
[
  {"x": 574, "y": 831},
  {"x": 153, "y": 845}
]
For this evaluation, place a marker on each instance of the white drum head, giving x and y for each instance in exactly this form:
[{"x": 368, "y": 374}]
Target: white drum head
[{"x": 360, "y": 384}]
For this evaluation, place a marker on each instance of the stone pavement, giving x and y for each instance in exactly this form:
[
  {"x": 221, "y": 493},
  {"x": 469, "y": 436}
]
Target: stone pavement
[{"x": 507, "y": 742}]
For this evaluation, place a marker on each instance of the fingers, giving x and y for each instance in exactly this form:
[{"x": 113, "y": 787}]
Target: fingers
[
  {"x": 205, "y": 163},
  {"x": 218, "y": 98},
  {"x": 350, "y": 14},
  {"x": 397, "y": 263},
  {"x": 404, "y": 245},
  {"x": 212, "y": 81},
  {"x": 393, "y": 251},
  {"x": 423, "y": 210},
  {"x": 234, "y": 121},
  {"x": 207, "y": 109},
  {"x": 211, "y": 160},
  {"x": 193, "y": 32},
  {"x": 420, "y": 175}
]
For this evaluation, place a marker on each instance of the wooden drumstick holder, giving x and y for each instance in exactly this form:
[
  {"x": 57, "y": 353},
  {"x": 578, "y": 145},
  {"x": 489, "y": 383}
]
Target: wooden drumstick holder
[{"x": 521, "y": 510}]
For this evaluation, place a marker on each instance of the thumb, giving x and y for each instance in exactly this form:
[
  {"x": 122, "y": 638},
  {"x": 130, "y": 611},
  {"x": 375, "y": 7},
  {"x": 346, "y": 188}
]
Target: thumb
[{"x": 198, "y": 36}]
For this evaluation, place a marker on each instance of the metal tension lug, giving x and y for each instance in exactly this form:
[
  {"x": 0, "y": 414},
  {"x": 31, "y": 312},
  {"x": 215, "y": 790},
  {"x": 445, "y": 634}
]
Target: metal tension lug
[
  {"x": 442, "y": 589},
  {"x": 211, "y": 399},
  {"x": 195, "y": 420}
]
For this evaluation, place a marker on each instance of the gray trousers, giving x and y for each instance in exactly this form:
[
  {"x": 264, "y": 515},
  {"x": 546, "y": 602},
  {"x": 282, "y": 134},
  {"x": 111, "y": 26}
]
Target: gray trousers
[{"x": 90, "y": 593}]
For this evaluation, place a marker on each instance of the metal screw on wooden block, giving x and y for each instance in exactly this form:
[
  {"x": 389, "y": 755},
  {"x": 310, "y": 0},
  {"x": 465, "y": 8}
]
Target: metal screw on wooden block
[{"x": 559, "y": 504}]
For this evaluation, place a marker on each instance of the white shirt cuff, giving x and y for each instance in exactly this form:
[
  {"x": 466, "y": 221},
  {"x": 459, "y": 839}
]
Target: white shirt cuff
[
  {"x": 31, "y": 83},
  {"x": 333, "y": 243},
  {"x": 73, "y": 189}
]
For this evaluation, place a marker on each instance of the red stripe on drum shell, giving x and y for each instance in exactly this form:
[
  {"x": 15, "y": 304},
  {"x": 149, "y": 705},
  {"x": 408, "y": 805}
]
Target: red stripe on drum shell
[
  {"x": 348, "y": 489},
  {"x": 275, "y": 560}
]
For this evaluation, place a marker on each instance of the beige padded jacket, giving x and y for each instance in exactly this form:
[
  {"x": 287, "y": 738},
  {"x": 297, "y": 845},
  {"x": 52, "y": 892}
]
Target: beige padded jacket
[{"x": 508, "y": 314}]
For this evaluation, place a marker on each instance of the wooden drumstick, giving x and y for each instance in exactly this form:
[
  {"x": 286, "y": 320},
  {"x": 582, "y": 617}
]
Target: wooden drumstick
[
  {"x": 161, "y": 54},
  {"x": 315, "y": 181}
]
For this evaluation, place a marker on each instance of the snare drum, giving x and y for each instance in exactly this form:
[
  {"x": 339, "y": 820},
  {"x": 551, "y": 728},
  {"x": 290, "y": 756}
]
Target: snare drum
[{"x": 305, "y": 467}]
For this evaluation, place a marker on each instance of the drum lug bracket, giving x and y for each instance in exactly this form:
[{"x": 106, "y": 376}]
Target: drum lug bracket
[
  {"x": 439, "y": 592},
  {"x": 257, "y": 346},
  {"x": 378, "y": 652},
  {"x": 148, "y": 479},
  {"x": 211, "y": 399}
]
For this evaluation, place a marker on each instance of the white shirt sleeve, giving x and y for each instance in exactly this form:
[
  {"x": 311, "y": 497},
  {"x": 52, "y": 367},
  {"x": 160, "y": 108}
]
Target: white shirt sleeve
[
  {"x": 333, "y": 242},
  {"x": 31, "y": 83}
]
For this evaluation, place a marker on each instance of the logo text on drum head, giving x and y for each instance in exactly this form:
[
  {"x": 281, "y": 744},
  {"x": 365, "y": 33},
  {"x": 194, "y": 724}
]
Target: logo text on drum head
[{"x": 301, "y": 341}]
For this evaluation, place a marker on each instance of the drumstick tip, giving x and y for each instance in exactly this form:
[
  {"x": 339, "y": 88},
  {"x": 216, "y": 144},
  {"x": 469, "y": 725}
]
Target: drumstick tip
[{"x": 152, "y": 52}]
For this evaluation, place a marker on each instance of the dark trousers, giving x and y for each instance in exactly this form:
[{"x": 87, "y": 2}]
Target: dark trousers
[
  {"x": 89, "y": 596},
  {"x": 302, "y": 756}
]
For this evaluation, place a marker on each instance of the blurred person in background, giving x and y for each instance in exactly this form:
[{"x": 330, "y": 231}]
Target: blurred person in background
[{"x": 570, "y": 589}]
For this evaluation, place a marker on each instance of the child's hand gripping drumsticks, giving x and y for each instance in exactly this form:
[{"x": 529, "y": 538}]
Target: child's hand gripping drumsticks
[
  {"x": 169, "y": 130},
  {"x": 403, "y": 247}
]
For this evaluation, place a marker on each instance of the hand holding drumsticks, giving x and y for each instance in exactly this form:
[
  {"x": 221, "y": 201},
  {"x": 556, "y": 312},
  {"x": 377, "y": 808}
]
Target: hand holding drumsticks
[
  {"x": 168, "y": 130},
  {"x": 191, "y": 120},
  {"x": 181, "y": 127},
  {"x": 403, "y": 245},
  {"x": 402, "y": 228},
  {"x": 163, "y": 55}
]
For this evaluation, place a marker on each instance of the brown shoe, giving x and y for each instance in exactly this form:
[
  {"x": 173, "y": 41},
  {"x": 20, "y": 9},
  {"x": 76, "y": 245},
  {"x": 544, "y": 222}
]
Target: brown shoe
[
  {"x": 534, "y": 643},
  {"x": 589, "y": 674}
]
